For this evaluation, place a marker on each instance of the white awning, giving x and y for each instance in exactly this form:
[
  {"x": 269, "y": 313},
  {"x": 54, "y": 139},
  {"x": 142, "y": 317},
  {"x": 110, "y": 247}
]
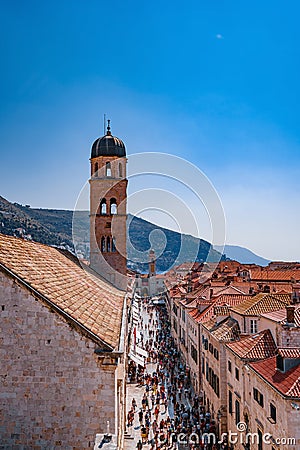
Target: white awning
[
  {"x": 135, "y": 316},
  {"x": 135, "y": 308},
  {"x": 136, "y": 358},
  {"x": 141, "y": 351}
]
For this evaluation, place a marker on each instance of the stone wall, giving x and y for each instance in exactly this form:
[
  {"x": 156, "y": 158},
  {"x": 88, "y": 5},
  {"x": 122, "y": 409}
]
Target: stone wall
[
  {"x": 54, "y": 393},
  {"x": 287, "y": 417}
]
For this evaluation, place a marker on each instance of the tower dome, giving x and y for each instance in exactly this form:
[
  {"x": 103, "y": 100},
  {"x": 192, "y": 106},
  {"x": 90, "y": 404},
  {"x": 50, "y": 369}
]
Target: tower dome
[{"x": 108, "y": 145}]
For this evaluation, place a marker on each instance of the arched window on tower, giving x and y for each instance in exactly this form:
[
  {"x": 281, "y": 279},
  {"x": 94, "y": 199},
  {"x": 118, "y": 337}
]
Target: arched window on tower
[
  {"x": 103, "y": 249},
  {"x": 108, "y": 169},
  {"x": 113, "y": 245},
  {"x": 96, "y": 170},
  {"x": 103, "y": 208},
  {"x": 108, "y": 244},
  {"x": 113, "y": 206},
  {"x": 120, "y": 170}
]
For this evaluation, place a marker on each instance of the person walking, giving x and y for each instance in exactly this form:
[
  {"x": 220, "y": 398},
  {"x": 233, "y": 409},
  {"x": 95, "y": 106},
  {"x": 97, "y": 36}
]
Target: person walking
[{"x": 141, "y": 416}]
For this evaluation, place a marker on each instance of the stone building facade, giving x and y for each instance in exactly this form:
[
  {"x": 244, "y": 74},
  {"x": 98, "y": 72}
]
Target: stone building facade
[
  {"x": 62, "y": 351},
  {"x": 273, "y": 398}
]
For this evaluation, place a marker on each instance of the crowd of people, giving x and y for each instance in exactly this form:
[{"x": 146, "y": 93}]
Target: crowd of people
[{"x": 170, "y": 415}]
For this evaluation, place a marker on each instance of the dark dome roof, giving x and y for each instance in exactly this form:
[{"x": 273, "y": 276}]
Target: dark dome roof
[{"x": 108, "y": 145}]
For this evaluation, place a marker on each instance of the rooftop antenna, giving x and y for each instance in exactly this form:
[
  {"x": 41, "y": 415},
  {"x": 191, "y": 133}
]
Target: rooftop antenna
[{"x": 104, "y": 124}]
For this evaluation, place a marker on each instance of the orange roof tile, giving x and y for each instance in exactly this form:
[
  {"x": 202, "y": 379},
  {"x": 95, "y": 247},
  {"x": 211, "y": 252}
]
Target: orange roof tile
[
  {"x": 259, "y": 346},
  {"x": 289, "y": 352},
  {"x": 226, "y": 299},
  {"x": 266, "y": 275},
  {"x": 280, "y": 315},
  {"x": 89, "y": 300},
  {"x": 224, "y": 331},
  {"x": 262, "y": 303},
  {"x": 287, "y": 383}
]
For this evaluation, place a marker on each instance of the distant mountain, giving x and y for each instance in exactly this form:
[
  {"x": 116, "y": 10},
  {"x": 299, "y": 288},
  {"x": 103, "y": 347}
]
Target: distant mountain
[
  {"x": 243, "y": 255},
  {"x": 54, "y": 227},
  {"x": 171, "y": 248},
  {"x": 47, "y": 226}
]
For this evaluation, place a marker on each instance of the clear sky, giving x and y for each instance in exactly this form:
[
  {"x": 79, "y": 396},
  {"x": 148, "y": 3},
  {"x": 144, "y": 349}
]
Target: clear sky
[{"x": 214, "y": 82}]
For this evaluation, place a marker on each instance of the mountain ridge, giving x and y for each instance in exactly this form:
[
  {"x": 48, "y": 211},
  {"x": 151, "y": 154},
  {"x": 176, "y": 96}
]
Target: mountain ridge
[
  {"x": 242, "y": 254},
  {"x": 59, "y": 227}
]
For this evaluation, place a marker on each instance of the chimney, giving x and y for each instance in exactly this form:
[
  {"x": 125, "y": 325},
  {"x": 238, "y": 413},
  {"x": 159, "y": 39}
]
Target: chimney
[{"x": 290, "y": 314}]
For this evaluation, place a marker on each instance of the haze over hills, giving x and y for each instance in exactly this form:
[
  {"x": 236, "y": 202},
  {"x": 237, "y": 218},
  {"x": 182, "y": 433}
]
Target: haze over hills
[
  {"x": 242, "y": 254},
  {"x": 54, "y": 227}
]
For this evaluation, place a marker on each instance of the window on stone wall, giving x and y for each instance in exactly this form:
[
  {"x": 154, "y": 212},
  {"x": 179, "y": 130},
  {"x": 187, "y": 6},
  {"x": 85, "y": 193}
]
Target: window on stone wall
[
  {"x": 183, "y": 315},
  {"x": 217, "y": 386},
  {"x": 103, "y": 207},
  {"x": 229, "y": 366},
  {"x": 237, "y": 412},
  {"x": 253, "y": 326},
  {"x": 108, "y": 244},
  {"x": 216, "y": 354},
  {"x": 108, "y": 169},
  {"x": 103, "y": 249},
  {"x": 237, "y": 373},
  {"x": 96, "y": 169},
  {"x": 194, "y": 353},
  {"x": 113, "y": 245},
  {"x": 273, "y": 412},
  {"x": 175, "y": 325},
  {"x": 120, "y": 170},
  {"x": 258, "y": 397},
  {"x": 113, "y": 206},
  {"x": 230, "y": 402}
]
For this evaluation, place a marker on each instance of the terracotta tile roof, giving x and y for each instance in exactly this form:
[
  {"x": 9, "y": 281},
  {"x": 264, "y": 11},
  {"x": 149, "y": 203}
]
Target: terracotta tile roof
[
  {"x": 287, "y": 383},
  {"x": 224, "y": 331},
  {"x": 89, "y": 300},
  {"x": 194, "y": 313},
  {"x": 262, "y": 303},
  {"x": 280, "y": 315},
  {"x": 275, "y": 275},
  {"x": 259, "y": 346},
  {"x": 289, "y": 352},
  {"x": 228, "y": 290},
  {"x": 222, "y": 300}
]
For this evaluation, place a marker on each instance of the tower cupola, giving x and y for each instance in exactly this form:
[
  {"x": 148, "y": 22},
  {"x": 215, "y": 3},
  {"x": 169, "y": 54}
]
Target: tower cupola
[{"x": 108, "y": 145}]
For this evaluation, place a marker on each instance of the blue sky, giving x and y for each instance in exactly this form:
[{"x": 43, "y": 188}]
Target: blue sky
[{"x": 214, "y": 82}]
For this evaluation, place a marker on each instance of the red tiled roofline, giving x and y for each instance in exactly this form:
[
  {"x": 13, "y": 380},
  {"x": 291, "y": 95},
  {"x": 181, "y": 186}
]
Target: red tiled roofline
[
  {"x": 60, "y": 311},
  {"x": 270, "y": 384}
]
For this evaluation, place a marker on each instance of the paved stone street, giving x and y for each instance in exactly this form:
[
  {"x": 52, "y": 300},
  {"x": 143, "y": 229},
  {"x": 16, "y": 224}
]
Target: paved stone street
[{"x": 135, "y": 391}]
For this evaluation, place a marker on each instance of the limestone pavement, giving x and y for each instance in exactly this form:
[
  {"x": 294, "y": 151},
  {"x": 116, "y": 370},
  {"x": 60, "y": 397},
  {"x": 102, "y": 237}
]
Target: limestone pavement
[{"x": 135, "y": 391}]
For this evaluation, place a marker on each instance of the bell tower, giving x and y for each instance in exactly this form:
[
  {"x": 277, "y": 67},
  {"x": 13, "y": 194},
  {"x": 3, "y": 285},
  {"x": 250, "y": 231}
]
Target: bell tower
[
  {"x": 152, "y": 263},
  {"x": 108, "y": 209}
]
